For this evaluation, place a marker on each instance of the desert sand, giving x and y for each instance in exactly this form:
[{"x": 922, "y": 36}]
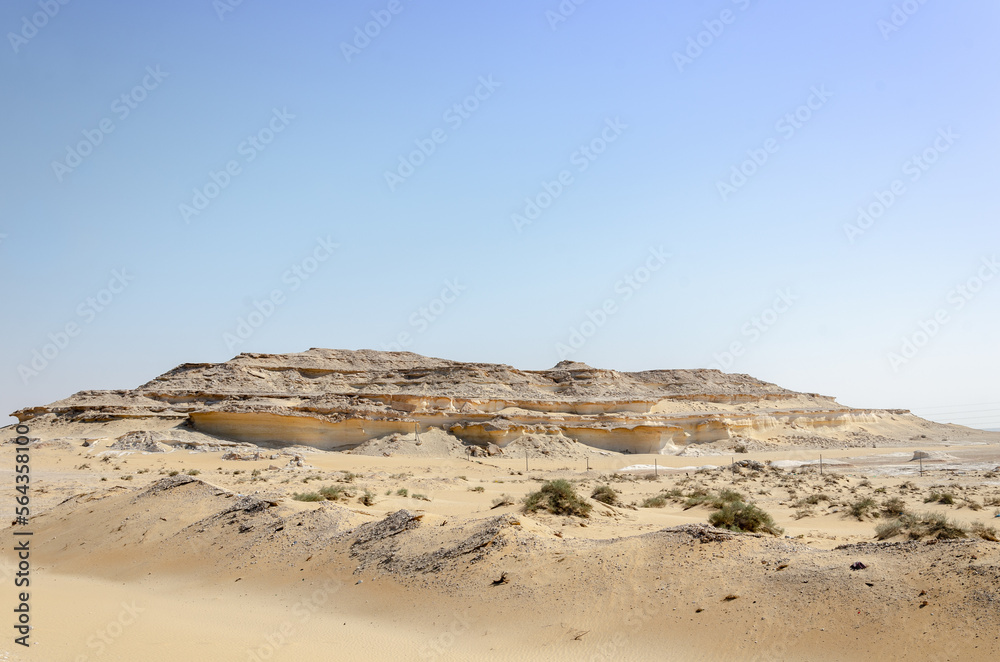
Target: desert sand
[{"x": 155, "y": 540}]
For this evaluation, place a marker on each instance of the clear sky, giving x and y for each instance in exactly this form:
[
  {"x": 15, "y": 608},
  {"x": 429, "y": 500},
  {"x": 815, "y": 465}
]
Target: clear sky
[{"x": 632, "y": 184}]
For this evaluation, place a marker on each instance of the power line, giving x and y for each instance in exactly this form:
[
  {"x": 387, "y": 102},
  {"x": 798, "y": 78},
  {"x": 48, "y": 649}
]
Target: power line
[
  {"x": 968, "y": 404},
  {"x": 994, "y": 414},
  {"x": 966, "y": 411}
]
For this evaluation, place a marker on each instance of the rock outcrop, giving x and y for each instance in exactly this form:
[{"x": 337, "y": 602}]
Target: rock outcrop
[{"x": 339, "y": 399}]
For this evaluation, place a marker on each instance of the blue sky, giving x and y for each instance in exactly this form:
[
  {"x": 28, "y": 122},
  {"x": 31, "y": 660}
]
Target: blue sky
[{"x": 692, "y": 174}]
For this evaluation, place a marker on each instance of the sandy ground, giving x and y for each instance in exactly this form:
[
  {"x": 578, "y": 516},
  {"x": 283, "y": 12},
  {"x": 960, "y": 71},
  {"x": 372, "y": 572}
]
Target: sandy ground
[{"x": 190, "y": 570}]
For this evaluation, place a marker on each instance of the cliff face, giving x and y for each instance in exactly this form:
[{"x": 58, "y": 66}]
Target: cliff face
[{"x": 337, "y": 399}]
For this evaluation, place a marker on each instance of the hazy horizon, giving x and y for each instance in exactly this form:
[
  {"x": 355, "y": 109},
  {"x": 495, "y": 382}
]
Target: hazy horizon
[{"x": 805, "y": 194}]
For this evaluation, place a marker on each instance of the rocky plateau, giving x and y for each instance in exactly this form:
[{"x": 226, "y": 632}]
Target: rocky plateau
[{"x": 337, "y": 400}]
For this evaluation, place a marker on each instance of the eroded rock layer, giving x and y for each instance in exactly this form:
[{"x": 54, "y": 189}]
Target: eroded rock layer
[{"x": 338, "y": 399}]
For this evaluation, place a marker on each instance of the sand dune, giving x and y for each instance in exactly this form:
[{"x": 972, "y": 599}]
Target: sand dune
[
  {"x": 226, "y": 565},
  {"x": 155, "y": 540}
]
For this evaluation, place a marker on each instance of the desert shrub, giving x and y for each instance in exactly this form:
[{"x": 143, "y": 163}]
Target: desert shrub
[
  {"x": 559, "y": 498},
  {"x": 695, "y": 500},
  {"x": 972, "y": 504},
  {"x": 740, "y": 449},
  {"x": 861, "y": 507},
  {"x": 727, "y": 496},
  {"x": 173, "y": 472},
  {"x": 947, "y": 498},
  {"x": 127, "y": 477},
  {"x": 938, "y": 526},
  {"x": 705, "y": 498},
  {"x": 255, "y": 472},
  {"x": 889, "y": 528},
  {"x": 605, "y": 494},
  {"x": 739, "y": 516},
  {"x": 368, "y": 498},
  {"x": 503, "y": 500},
  {"x": 985, "y": 532},
  {"x": 402, "y": 492},
  {"x": 802, "y": 513},
  {"x": 422, "y": 497},
  {"x": 477, "y": 488},
  {"x": 308, "y": 496},
  {"x": 347, "y": 477},
  {"x": 811, "y": 500},
  {"x": 894, "y": 506},
  {"x": 921, "y": 525},
  {"x": 334, "y": 492},
  {"x": 654, "y": 502},
  {"x": 193, "y": 472}
]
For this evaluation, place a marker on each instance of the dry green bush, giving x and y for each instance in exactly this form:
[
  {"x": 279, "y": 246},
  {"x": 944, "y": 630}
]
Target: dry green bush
[
  {"x": 559, "y": 498},
  {"x": 739, "y": 516}
]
